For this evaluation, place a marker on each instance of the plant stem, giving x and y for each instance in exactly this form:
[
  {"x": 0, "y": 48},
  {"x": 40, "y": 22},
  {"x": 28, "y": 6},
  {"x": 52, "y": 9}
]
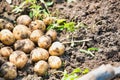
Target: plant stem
[{"x": 77, "y": 41}]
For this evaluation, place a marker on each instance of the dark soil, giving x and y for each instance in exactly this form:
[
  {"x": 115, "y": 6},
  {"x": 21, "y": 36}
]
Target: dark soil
[{"x": 102, "y": 25}]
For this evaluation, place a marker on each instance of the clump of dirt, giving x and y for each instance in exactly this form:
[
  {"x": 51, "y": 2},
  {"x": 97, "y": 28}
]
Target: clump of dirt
[{"x": 101, "y": 21}]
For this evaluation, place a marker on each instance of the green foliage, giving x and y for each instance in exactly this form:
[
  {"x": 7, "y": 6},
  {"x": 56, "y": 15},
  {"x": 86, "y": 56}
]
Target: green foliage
[
  {"x": 61, "y": 24},
  {"x": 18, "y": 9},
  {"x": 88, "y": 51},
  {"x": 92, "y": 49},
  {"x": 36, "y": 11},
  {"x": 74, "y": 74}
]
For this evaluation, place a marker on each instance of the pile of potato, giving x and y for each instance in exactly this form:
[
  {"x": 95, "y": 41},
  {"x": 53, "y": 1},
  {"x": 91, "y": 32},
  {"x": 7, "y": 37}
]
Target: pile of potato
[{"x": 29, "y": 38}]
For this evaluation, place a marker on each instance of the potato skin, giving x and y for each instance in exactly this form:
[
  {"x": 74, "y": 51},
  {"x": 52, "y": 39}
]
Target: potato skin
[
  {"x": 6, "y": 51},
  {"x": 49, "y": 20},
  {"x": 39, "y": 54},
  {"x": 41, "y": 67},
  {"x": 8, "y": 71},
  {"x": 7, "y": 37},
  {"x": 21, "y": 32},
  {"x": 18, "y": 58},
  {"x": 25, "y": 45},
  {"x": 9, "y": 26},
  {"x": 44, "y": 42},
  {"x": 56, "y": 49},
  {"x": 54, "y": 62},
  {"x": 52, "y": 33},
  {"x": 37, "y": 24},
  {"x": 24, "y": 19},
  {"x": 35, "y": 35}
]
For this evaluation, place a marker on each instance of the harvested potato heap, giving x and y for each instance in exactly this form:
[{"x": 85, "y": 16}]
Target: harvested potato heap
[{"x": 29, "y": 38}]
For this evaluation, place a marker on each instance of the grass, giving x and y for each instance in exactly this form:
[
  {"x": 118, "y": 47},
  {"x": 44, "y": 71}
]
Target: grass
[
  {"x": 61, "y": 24},
  {"x": 74, "y": 74},
  {"x": 89, "y": 51}
]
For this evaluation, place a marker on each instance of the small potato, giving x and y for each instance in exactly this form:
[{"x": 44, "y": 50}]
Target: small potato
[
  {"x": 7, "y": 37},
  {"x": 56, "y": 49},
  {"x": 37, "y": 24},
  {"x": 41, "y": 67},
  {"x": 39, "y": 54},
  {"x": 25, "y": 45},
  {"x": 52, "y": 33},
  {"x": 44, "y": 42},
  {"x": 21, "y": 32},
  {"x": 18, "y": 58},
  {"x": 35, "y": 35},
  {"x": 49, "y": 20},
  {"x": 24, "y": 19},
  {"x": 54, "y": 62},
  {"x": 6, "y": 51},
  {"x": 8, "y": 71},
  {"x": 9, "y": 26}
]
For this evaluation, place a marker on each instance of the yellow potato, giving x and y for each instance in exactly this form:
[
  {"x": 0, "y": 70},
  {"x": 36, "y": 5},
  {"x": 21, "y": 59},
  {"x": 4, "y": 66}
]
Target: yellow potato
[
  {"x": 44, "y": 42},
  {"x": 49, "y": 20},
  {"x": 54, "y": 62},
  {"x": 39, "y": 54},
  {"x": 56, "y": 49},
  {"x": 41, "y": 67},
  {"x": 25, "y": 45},
  {"x": 52, "y": 33},
  {"x": 21, "y": 32},
  {"x": 24, "y": 19},
  {"x": 35, "y": 35},
  {"x": 18, "y": 58},
  {"x": 9, "y": 26},
  {"x": 7, "y": 37},
  {"x": 6, "y": 51},
  {"x": 8, "y": 70},
  {"x": 37, "y": 24}
]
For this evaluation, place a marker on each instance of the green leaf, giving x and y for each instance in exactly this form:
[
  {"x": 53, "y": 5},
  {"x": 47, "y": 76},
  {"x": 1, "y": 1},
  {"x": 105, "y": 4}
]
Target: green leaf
[
  {"x": 49, "y": 3},
  {"x": 85, "y": 71},
  {"x": 70, "y": 26},
  {"x": 61, "y": 21},
  {"x": 77, "y": 70},
  {"x": 92, "y": 49}
]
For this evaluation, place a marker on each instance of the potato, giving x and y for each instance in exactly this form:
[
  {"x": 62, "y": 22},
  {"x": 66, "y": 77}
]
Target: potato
[
  {"x": 8, "y": 71},
  {"x": 41, "y": 67},
  {"x": 49, "y": 20},
  {"x": 56, "y": 49},
  {"x": 19, "y": 58},
  {"x": 44, "y": 42},
  {"x": 24, "y": 19},
  {"x": 9, "y": 26},
  {"x": 25, "y": 45},
  {"x": 54, "y": 62},
  {"x": 7, "y": 37},
  {"x": 37, "y": 24},
  {"x": 39, "y": 54},
  {"x": 52, "y": 33},
  {"x": 35, "y": 35},
  {"x": 21, "y": 32},
  {"x": 6, "y": 51}
]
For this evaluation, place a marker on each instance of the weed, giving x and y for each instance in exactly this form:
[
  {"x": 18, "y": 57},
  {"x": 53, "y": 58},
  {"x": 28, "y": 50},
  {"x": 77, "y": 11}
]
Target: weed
[
  {"x": 89, "y": 51},
  {"x": 74, "y": 74},
  {"x": 36, "y": 11},
  {"x": 61, "y": 24}
]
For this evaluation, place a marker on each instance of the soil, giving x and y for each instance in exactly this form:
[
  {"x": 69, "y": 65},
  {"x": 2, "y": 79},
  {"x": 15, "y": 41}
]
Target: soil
[{"x": 100, "y": 22}]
